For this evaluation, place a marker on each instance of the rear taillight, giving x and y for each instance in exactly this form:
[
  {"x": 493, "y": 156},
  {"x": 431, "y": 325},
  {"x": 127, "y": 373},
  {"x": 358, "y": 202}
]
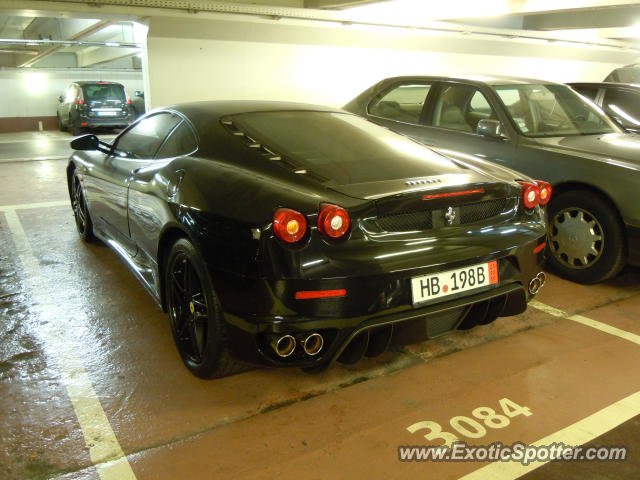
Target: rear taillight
[
  {"x": 545, "y": 191},
  {"x": 289, "y": 225},
  {"x": 530, "y": 194},
  {"x": 333, "y": 221},
  {"x": 129, "y": 102},
  {"x": 80, "y": 101}
]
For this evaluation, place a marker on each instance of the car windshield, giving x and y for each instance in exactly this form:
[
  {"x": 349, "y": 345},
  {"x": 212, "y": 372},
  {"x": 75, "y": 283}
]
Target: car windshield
[
  {"x": 552, "y": 111},
  {"x": 103, "y": 91},
  {"x": 342, "y": 147}
]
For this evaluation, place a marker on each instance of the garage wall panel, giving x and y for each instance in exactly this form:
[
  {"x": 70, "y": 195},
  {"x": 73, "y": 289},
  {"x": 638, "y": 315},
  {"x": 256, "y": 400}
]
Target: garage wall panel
[{"x": 193, "y": 59}]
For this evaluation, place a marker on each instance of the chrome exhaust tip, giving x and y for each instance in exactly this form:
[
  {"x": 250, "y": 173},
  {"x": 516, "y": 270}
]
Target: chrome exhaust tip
[
  {"x": 543, "y": 278},
  {"x": 534, "y": 285},
  {"x": 284, "y": 345},
  {"x": 537, "y": 283},
  {"x": 313, "y": 344}
]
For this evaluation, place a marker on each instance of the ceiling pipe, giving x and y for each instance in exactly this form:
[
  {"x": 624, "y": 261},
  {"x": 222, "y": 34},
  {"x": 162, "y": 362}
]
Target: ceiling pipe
[
  {"x": 57, "y": 45},
  {"x": 68, "y": 43},
  {"x": 20, "y": 51}
]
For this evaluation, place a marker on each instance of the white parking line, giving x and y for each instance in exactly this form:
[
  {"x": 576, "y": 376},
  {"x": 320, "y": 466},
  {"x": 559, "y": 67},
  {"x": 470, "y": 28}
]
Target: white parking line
[
  {"x": 104, "y": 449},
  {"x": 603, "y": 327},
  {"x": 25, "y": 206},
  {"x": 581, "y": 432},
  {"x": 33, "y": 159}
]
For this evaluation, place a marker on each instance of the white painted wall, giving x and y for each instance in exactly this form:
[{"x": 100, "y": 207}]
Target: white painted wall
[
  {"x": 32, "y": 92},
  {"x": 207, "y": 59}
]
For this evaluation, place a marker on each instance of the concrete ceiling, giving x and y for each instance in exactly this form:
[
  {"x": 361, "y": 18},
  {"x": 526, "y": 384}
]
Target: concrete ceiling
[
  {"x": 67, "y": 42},
  {"x": 50, "y": 33}
]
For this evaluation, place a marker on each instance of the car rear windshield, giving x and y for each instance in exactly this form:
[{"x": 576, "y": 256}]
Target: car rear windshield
[
  {"x": 342, "y": 147},
  {"x": 103, "y": 91},
  {"x": 552, "y": 111}
]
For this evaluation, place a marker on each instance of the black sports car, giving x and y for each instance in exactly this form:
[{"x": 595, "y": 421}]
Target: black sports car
[{"x": 294, "y": 235}]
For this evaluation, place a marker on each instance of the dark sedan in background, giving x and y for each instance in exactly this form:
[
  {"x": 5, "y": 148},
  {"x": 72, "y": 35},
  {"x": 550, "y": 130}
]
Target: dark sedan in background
[
  {"x": 621, "y": 101},
  {"x": 294, "y": 235},
  {"x": 545, "y": 130}
]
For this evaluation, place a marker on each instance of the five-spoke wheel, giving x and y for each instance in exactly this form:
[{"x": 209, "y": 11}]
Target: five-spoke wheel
[
  {"x": 80, "y": 211},
  {"x": 197, "y": 321}
]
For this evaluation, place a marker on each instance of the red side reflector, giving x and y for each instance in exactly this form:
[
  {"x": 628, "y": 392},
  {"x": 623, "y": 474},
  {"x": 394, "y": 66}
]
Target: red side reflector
[
  {"x": 493, "y": 273},
  {"x": 84, "y": 124},
  {"x": 320, "y": 294},
  {"x": 129, "y": 102},
  {"x": 452, "y": 194},
  {"x": 539, "y": 248}
]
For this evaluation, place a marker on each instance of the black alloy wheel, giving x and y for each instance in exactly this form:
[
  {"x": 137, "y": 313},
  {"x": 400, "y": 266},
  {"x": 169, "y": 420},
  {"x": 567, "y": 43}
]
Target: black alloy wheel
[
  {"x": 80, "y": 211},
  {"x": 197, "y": 322}
]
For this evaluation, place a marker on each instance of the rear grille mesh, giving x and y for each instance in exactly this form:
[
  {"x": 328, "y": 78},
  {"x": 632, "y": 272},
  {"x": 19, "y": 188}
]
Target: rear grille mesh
[
  {"x": 476, "y": 212},
  {"x": 402, "y": 222},
  {"x": 423, "y": 219}
]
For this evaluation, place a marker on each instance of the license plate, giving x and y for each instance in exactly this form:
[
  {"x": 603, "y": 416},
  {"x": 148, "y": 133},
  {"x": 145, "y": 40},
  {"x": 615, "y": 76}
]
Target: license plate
[
  {"x": 442, "y": 284},
  {"x": 107, "y": 114}
]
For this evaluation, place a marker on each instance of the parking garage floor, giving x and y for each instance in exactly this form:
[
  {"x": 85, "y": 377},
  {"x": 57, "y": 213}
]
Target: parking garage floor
[{"x": 91, "y": 385}]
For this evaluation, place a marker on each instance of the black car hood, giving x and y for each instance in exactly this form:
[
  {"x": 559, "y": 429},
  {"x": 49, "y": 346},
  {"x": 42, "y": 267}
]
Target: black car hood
[{"x": 611, "y": 147}]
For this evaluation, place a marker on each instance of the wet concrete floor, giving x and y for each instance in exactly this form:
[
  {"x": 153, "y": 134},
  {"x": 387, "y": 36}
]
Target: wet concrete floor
[{"x": 88, "y": 369}]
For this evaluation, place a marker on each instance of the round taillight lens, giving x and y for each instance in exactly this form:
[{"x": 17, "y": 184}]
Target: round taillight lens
[
  {"x": 289, "y": 225},
  {"x": 333, "y": 221},
  {"x": 530, "y": 194},
  {"x": 545, "y": 191}
]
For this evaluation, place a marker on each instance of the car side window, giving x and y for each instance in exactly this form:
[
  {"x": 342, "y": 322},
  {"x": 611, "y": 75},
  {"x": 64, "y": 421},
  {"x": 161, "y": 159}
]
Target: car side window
[
  {"x": 624, "y": 106},
  {"x": 590, "y": 92},
  {"x": 181, "y": 141},
  {"x": 403, "y": 103},
  {"x": 143, "y": 140},
  {"x": 461, "y": 107}
]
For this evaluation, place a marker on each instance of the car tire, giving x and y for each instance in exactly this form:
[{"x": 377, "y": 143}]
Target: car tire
[
  {"x": 197, "y": 322},
  {"x": 75, "y": 128},
  {"x": 80, "y": 210},
  {"x": 586, "y": 241}
]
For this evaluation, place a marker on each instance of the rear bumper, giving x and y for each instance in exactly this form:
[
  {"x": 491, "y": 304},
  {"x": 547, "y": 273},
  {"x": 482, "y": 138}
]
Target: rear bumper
[
  {"x": 348, "y": 340},
  {"x": 93, "y": 121},
  {"x": 377, "y": 310}
]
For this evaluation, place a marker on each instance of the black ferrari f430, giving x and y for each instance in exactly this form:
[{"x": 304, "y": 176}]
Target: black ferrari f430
[{"x": 290, "y": 235}]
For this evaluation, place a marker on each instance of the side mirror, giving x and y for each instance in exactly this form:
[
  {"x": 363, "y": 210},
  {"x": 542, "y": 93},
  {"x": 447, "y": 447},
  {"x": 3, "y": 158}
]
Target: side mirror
[
  {"x": 85, "y": 142},
  {"x": 490, "y": 128},
  {"x": 60, "y": 98}
]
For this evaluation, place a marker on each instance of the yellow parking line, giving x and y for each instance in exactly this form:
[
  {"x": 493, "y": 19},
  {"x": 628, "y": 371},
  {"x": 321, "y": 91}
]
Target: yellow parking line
[
  {"x": 603, "y": 327},
  {"x": 104, "y": 449},
  {"x": 581, "y": 432}
]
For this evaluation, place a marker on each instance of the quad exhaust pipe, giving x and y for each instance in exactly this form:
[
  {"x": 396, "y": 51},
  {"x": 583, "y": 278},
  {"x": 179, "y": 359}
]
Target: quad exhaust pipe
[
  {"x": 313, "y": 344},
  {"x": 537, "y": 283},
  {"x": 285, "y": 345}
]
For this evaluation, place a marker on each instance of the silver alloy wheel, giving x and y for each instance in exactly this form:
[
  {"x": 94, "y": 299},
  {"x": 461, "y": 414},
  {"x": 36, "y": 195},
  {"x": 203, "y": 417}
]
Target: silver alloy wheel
[{"x": 576, "y": 238}]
